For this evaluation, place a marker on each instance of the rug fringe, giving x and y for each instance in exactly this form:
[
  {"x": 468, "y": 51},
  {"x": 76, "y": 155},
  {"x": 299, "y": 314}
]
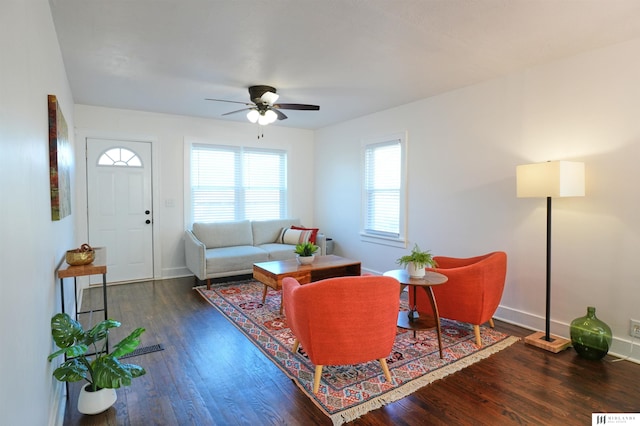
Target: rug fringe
[{"x": 412, "y": 386}]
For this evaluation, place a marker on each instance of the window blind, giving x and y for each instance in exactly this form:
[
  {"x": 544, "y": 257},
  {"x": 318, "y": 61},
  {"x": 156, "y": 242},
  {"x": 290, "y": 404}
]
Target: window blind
[
  {"x": 383, "y": 185},
  {"x": 235, "y": 183}
]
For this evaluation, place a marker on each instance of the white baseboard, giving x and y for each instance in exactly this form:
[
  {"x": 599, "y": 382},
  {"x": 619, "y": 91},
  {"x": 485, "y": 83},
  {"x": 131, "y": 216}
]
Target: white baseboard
[
  {"x": 627, "y": 347},
  {"x": 177, "y": 272}
]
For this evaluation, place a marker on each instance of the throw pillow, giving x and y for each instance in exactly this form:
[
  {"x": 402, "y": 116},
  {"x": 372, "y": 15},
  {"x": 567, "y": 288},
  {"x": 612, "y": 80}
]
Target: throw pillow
[
  {"x": 294, "y": 236},
  {"x": 314, "y": 232}
]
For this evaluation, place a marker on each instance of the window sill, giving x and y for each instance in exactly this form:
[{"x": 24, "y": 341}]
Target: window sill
[{"x": 385, "y": 241}]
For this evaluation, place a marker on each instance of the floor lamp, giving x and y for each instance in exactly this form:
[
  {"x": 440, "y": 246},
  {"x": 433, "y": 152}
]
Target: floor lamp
[{"x": 550, "y": 179}]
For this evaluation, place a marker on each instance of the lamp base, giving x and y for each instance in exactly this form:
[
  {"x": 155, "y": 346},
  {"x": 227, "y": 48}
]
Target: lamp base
[{"x": 555, "y": 345}]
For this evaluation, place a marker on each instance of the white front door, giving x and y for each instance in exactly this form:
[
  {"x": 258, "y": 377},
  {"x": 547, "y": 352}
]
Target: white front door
[{"x": 120, "y": 201}]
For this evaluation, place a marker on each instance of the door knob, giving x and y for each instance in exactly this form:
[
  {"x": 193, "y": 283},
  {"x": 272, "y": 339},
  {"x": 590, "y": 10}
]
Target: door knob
[
  {"x": 147, "y": 212},
  {"x": 147, "y": 221}
]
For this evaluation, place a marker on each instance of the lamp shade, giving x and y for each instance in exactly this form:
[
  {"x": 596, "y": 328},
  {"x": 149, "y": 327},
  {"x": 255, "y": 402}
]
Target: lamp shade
[{"x": 550, "y": 179}]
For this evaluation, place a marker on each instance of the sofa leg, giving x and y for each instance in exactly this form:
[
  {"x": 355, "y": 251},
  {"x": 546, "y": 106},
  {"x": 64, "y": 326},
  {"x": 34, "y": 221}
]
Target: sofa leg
[
  {"x": 476, "y": 331},
  {"x": 208, "y": 283}
]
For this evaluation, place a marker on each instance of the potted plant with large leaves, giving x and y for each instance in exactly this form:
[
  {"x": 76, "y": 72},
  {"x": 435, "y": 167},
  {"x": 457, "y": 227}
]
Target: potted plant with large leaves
[
  {"x": 417, "y": 261},
  {"x": 102, "y": 369}
]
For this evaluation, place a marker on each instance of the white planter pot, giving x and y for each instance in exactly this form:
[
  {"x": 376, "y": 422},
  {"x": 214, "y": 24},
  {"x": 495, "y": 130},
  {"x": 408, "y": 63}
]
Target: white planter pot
[
  {"x": 95, "y": 402},
  {"x": 415, "y": 272},
  {"x": 305, "y": 260}
]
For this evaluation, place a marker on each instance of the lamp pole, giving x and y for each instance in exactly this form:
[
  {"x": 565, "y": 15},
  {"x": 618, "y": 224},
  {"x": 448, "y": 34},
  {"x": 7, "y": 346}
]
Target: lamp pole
[{"x": 547, "y": 335}]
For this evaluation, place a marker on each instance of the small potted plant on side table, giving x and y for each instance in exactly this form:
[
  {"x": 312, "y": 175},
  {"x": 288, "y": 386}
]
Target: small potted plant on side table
[
  {"x": 306, "y": 252},
  {"x": 417, "y": 261},
  {"x": 104, "y": 372}
]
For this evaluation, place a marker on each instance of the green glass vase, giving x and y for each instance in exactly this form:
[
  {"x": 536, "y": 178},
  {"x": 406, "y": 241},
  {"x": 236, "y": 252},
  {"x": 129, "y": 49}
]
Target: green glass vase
[{"x": 590, "y": 337}]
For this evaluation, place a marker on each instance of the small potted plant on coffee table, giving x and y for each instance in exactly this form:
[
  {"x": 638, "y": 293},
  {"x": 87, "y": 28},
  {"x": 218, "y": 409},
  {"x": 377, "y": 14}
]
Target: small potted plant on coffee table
[
  {"x": 305, "y": 252},
  {"x": 417, "y": 261}
]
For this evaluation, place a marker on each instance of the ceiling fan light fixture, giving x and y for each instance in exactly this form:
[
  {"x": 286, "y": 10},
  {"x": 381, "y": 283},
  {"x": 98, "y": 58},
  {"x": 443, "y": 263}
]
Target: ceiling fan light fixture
[
  {"x": 263, "y": 121},
  {"x": 253, "y": 116},
  {"x": 269, "y": 97},
  {"x": 271, "y": 116}
]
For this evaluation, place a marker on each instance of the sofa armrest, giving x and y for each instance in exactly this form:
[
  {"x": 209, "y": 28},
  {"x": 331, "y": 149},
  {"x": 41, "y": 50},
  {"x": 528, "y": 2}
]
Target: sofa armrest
[
  {"x": 321, "y": 241},
  {"x": 194, "y": 253}
]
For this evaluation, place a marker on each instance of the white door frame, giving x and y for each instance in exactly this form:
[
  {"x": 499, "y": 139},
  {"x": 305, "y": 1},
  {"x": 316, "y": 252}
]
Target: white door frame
[{"x": 82, "y": 203}]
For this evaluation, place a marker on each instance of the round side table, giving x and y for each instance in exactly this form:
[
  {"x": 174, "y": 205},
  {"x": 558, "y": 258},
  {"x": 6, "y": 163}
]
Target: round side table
[{"x": 410, "y": 320}]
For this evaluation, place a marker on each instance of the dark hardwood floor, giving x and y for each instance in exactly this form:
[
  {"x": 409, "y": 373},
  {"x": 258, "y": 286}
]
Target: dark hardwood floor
[{"x": 210, "y": 374}]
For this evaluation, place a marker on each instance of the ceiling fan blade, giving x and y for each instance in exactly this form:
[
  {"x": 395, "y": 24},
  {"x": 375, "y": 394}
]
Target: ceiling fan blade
[
  {"x": 280, "y": 114},
  {"x": 234, "y": 112},
  {"x": 224, "y": 100},
  {"x": 298, "y": 107}
]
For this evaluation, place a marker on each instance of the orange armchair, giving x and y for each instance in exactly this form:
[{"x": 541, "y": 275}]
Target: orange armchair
[
  {"x": 342, "y": 321},
  {"x": 473, "y": 291}
]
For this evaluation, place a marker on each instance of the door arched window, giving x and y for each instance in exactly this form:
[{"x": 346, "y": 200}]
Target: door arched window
[{"x": 119, "y": 157}]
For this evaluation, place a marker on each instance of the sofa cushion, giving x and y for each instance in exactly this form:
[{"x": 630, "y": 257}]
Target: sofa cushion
[
  {"x": 314, "y": 232},
  {"x": 224, "y": 234},
  {"x": 294, "y": 236},
  {"x": 279, "y": 251},
  {"x": 230, "y": 259},
  {"x": 268, "y": 231}
]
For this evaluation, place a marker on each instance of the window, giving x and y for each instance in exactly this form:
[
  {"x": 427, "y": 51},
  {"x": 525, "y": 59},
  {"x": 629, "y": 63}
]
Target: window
[
  {"x": 383, "y": 195},
  {"x": 119, "y": 157},
  {"x": 234, "y": 183}
]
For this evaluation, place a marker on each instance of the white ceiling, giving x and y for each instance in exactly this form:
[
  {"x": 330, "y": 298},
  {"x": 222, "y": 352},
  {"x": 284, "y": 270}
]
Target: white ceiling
[{"x": 351, "y": 57}]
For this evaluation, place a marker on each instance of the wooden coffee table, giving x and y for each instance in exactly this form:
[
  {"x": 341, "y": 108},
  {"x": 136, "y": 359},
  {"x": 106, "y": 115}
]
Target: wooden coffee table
[{"x": 272, "y": 273}]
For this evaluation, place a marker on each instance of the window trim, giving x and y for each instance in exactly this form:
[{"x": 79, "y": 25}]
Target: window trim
[{"x": 368, "y": 237}]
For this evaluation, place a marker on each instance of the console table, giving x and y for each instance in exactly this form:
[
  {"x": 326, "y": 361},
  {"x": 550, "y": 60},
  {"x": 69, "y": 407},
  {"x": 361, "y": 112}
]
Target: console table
[{"x": 97, "y": 267}]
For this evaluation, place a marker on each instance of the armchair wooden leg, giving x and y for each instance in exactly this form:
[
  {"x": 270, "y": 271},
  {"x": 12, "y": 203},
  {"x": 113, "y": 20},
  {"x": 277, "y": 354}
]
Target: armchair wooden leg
[
  {"x": 296, "y": 343},
  {"x": 385, "y": 369},
  {"x": 476, "y": 331},
  {"x": 491, "y": 324},
  {"x": 208, "y": 283},
  {"x": 316, "y": 378}
]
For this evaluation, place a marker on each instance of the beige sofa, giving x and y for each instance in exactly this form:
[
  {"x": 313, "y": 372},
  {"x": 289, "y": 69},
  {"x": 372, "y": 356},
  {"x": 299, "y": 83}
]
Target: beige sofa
[{"x": 223, "y": 249}]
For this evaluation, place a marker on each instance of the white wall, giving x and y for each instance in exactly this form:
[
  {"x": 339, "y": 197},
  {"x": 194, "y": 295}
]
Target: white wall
[
  {"x": 32, "y": 244},
  {"x": 464, "y": 147},
  {"x": 168, "y": 134}
]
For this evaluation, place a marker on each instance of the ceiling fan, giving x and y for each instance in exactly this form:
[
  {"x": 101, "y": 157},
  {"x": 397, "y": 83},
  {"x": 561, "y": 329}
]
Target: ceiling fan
[{"x": 263, "y": 108}]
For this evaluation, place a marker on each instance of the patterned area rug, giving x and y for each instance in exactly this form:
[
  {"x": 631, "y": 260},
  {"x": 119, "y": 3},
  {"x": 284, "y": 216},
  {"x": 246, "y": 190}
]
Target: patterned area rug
[{"x": 347, "y": 392}]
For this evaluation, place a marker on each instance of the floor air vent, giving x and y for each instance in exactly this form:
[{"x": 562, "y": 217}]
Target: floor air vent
[{"x": 144, "y": 350}]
